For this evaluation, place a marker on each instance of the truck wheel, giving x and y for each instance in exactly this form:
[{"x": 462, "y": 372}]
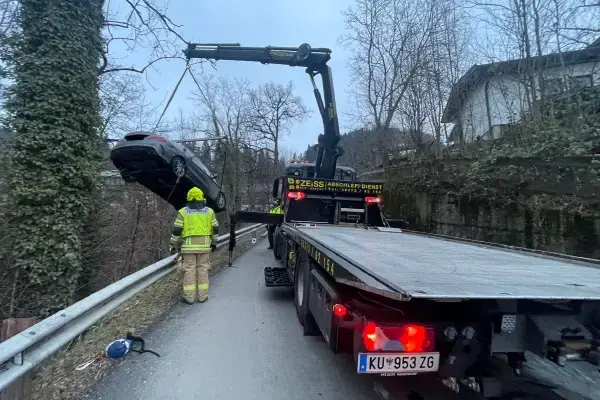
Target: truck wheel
[
  {"x": 277, "y": 244},
  {"x": 301, "y": 296}
]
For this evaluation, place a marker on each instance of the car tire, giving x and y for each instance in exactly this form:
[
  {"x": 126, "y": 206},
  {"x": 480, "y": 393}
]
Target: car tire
[
  {"x": 178, "y": 166},
  {"x": 221, "y": 201}
]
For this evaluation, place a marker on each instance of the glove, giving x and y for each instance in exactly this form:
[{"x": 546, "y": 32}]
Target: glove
[{"x": 213, "y": 248}]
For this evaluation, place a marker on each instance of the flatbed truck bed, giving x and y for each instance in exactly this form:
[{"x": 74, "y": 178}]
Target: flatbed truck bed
[
  {"x": 408, "y": 303},
  {"x": 417, "y": 266}
]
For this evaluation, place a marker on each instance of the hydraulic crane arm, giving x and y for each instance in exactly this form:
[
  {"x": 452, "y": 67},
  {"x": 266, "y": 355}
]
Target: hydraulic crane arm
[{"x": 315, "y": 62}]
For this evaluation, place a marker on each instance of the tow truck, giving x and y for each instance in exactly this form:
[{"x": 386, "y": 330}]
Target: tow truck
[{"x": 407, "y": 303}]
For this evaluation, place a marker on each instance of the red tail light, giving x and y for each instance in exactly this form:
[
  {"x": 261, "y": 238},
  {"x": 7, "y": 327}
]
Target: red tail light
[
  {"x": 414, "y": 338},
  {"x": 372, "y": 200},
  {"x": 296, "y": 195},
  {"x": 370, "y": 336},
  {"x": 339, "y": 310},
  {"x": 158, "y": 139}
]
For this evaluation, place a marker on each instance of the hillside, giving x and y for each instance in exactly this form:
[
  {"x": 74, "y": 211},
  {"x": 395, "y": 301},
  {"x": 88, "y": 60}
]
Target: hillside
[{"x": 363, "y": 152}]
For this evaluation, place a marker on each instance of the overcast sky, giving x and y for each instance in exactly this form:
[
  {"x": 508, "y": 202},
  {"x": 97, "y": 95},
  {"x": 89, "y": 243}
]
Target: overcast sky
[{"x": 259, "y": 23}]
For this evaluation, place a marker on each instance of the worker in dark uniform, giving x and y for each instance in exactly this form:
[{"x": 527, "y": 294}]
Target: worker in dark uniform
[
  {"x": 195, "y": 230},
  {"x": 276, "y": 209}
]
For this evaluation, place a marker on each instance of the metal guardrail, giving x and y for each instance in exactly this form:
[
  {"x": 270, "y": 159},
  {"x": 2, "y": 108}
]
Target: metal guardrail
[{"x": 28, "y": 349}]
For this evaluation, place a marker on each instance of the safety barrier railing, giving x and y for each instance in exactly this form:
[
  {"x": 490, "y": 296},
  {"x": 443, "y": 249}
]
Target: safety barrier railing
[{"x": 28, "y": 349}]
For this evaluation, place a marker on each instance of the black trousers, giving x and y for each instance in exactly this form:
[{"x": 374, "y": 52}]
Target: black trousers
[{"x": 271, "y": 233}]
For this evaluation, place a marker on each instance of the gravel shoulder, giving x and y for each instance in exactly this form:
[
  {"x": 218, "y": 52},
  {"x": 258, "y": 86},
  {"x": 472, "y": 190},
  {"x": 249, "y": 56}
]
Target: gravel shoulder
[{"x": 58, "y": 378}]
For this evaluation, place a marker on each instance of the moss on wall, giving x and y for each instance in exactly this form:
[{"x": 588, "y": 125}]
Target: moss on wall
[{"x": 513, "y": 223}]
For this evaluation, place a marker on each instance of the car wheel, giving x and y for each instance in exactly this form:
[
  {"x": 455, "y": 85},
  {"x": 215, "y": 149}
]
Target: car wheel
[
  {"x": 178, "y": 166},
  {"x": 221, "y": 201}
]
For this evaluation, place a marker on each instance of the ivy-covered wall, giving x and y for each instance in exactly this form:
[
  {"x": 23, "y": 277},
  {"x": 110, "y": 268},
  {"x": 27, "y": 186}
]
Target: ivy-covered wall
[{"x": 53, "y": 108}]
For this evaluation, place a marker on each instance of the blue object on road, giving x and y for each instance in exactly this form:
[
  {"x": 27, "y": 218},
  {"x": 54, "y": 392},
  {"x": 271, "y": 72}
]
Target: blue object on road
[{"x": 117, "y": 349}]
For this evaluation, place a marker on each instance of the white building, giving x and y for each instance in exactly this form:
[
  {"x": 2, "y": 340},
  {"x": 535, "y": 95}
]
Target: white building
[{"x": 490, "y": 96}]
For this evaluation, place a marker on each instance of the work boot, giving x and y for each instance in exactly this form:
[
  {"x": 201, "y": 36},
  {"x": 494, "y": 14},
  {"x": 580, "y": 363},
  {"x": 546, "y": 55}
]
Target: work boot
[
  {"x": 202, "y": 301},
  {"x": 187, "y": 301}
]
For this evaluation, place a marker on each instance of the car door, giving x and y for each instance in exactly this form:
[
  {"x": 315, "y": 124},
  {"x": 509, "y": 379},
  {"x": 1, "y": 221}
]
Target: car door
[
  {"x": 186, "y": 153},
  {"x": 203, "y": 174}
]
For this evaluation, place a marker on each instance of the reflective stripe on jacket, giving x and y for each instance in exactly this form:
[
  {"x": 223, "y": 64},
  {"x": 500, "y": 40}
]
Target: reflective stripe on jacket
[
  {"x": 196, "y": 228},
  {"x": 276, "y": 210}
]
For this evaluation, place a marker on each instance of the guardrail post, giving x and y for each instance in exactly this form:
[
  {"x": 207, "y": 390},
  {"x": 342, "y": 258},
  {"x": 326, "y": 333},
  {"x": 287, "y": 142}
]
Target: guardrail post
[
  {"x": 19, "y": 389},
  {"x": 232, "y": 224}
]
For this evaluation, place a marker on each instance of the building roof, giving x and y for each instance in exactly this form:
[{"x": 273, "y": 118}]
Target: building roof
[{"x": 481, "y": 73}]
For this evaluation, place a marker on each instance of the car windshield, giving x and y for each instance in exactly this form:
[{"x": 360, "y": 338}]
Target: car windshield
[
  {"x": 344, "y": 175},
  {"x": 308, "y": 171},
  {"x": 196, "y": 160}
]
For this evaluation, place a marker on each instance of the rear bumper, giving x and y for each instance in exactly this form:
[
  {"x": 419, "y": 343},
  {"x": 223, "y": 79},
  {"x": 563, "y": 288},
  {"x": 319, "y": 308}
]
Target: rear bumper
[{"x": 138, "y": 157}]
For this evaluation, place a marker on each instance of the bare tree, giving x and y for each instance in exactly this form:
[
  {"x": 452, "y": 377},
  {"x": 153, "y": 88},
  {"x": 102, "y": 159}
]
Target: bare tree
[
  {"x": 8, "y": 26},
  {"x": 8, "y": 15},
  {"x": 224, "y": 112},
  {"x": 142, "y": 25},
  {"x": 426, "y": 97},
  {"x": 391, "y": 40},
  {"x": 124, "y": 106},
  {"x": 533, "y": 28},
  {"x": 273, "y": 109},
  {"x": 579, "y": 23}
]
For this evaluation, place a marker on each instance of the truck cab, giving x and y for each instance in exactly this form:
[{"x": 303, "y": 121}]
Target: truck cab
[
  {"x": 350, "y": 209},
  {"x": 306, "y": 169}
]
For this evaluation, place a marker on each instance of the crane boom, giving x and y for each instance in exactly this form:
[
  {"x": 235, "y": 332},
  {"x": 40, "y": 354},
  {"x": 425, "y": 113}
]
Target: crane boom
[{"x": 315, "y": 62}]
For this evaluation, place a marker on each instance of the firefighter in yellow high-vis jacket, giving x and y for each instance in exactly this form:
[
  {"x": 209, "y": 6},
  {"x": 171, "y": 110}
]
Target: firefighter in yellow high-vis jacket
[
  {"x": 195, "y": 236},
  {"x": 276, "y": 209}
]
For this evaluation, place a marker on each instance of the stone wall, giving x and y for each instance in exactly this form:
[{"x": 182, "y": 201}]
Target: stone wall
[
  {"x": 514, "y": 224},
  {"x": 556, "y": 209}
]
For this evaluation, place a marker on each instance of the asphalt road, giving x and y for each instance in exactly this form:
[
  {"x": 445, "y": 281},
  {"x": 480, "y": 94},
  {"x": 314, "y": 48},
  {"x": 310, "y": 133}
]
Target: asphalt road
[{"x": 244, "y": 343}]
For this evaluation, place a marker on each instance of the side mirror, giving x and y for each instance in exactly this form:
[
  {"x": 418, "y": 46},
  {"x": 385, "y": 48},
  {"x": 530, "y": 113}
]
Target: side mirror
[{"x": 275, "y": 191}]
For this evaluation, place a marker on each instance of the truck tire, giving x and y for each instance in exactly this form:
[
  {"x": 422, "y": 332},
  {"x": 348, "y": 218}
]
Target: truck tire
[
  {"x": 277, "y": 244},
  {"x": 301, "y": 295}
]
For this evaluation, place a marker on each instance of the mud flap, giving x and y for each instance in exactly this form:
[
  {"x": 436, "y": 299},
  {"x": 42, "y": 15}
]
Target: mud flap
[{"x": 322, "y": 298}]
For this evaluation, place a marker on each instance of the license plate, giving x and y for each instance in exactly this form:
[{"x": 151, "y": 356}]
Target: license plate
[{"x": 404, "y": 363}]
